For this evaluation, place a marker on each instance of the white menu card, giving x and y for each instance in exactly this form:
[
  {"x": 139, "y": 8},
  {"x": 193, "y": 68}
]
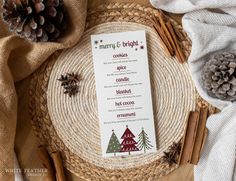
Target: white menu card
[{"x": 123, "y": 93}]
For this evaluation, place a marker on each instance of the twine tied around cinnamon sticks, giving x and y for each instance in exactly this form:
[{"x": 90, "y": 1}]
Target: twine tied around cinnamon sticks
[{"x": 168, "y": 37}]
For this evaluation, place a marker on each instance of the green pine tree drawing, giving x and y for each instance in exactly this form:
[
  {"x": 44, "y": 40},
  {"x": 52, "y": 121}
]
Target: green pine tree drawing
[
  {"x": 143, "y": 141},
  {"x": 113, "y": 145}
]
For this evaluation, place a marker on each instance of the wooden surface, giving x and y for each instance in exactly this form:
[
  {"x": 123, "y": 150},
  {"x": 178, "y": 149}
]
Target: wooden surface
[{"x": 26, "y": 143}]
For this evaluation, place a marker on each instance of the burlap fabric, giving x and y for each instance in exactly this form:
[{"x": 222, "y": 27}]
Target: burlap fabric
[{"x": 18, "y": 59}]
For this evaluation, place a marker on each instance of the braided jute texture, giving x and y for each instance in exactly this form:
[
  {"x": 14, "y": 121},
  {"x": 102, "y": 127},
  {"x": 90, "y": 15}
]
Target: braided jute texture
[{"x": 71, "y": 125}]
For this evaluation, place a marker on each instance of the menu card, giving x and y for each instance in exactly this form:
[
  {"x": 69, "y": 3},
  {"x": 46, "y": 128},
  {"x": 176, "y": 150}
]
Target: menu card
[{"x": 123, "y": 93}]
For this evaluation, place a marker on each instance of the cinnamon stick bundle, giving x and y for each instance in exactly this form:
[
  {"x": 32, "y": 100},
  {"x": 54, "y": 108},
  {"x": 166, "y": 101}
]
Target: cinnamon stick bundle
[
  {"x": 168, "y": 36},
  {"x": 166, "y": 44},
  {"x": 194, "y": 137},
  {"x": 165, "y": 29}
]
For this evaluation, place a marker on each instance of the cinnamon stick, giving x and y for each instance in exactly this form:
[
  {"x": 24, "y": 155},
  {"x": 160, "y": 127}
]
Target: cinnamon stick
[
  {"x": 178, "y": 49},
  {"x": 189, "y": 138},
  {"x": 167, "y": 45},
  {"x": 165, "y": 29},
  {"x": 163, "y": 42},
  {"x": 45, "y": 159},
  {"x": 58, "y": 166},
  {"x": 199, "y": 135}
]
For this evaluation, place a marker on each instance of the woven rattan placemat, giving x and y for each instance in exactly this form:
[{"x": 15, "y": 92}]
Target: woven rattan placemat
[{"x": 70, "y": 125}]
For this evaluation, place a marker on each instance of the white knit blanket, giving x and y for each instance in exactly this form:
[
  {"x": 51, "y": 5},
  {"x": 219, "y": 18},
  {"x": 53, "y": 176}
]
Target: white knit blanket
[{"x": 210, "y": 32}]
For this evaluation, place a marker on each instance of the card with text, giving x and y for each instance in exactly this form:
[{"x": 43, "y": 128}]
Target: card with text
[{"x": 123, "y": 93}]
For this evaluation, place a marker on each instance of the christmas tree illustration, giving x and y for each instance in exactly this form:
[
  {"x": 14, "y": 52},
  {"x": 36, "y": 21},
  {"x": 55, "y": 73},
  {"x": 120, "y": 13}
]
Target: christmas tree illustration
[
  {"x": 143, "y": 141},
  {"x": 113, "y": 145},
  {"x": 128, "y": 144}
]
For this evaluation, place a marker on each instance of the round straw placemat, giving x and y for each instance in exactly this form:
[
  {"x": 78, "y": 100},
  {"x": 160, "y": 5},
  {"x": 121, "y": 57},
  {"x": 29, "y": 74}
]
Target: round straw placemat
[
  {"x": 76, "y": 119},
  {"x": 70, "y": 124}
]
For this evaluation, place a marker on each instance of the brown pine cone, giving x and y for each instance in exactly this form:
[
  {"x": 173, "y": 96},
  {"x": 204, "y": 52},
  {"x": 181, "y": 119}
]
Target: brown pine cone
[
  {"x": 219, "y": 76},
  {"x": 35, "y": 20}
]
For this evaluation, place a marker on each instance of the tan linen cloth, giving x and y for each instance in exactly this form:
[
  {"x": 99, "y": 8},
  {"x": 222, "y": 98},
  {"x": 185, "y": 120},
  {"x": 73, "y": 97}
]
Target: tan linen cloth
[{"x": 18, "y": 59}]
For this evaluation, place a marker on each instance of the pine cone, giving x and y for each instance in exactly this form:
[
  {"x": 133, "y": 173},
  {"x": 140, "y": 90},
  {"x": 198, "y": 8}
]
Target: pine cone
[
  {"x": 35, "y": 20},
  {"x": 219, "y": 76}
]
